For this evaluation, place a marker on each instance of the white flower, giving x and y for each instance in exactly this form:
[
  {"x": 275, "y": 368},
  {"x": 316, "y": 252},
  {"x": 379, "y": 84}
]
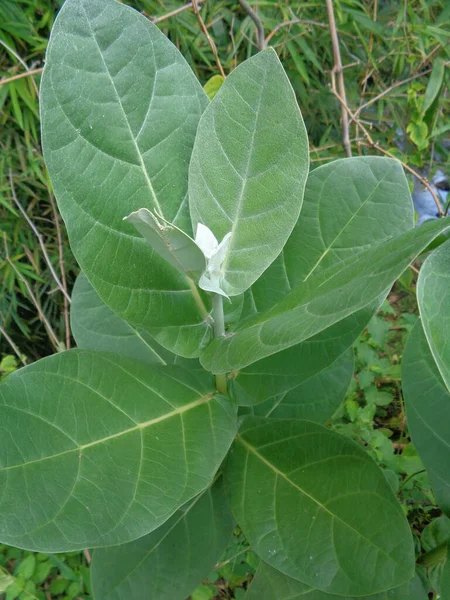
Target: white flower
[{"x": 215, "y": 254}]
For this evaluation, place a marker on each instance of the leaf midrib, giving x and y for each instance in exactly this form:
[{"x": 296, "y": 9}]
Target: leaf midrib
[
  {"x": 279, "y": 473},
  {"x": 196, "y": 296},
  {"x": 140, "y": 426}
]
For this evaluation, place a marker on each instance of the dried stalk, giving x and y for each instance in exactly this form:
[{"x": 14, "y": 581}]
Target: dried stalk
[
  {"x": 337, "y": 69},
  {"x": 39, "y": 237},
  {"x": 261, "y": 42},
  {"x": 174, "y": 13},
  {"x": 22, "y": 62},
  {"x": 371, "y": 142},
  {"x": 19, "y": 76},
  {"x": 66, "y": 297},
  {"x": 13, "y": 346},
  {"x": 195, "y": 8},
  {"x": 50, "y": 331}
]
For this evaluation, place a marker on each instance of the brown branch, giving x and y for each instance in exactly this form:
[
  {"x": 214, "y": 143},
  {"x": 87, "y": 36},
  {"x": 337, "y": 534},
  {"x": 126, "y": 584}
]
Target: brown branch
[
  {"x": 300, "y": 21},
  {"x": 371, "y": 142},
  {"x": 39, "y": 237},
  {"x": 203, "y": 27},
  {"x": 19, "y": 76},
  {"x": 13, "y": 346},
  {"x": 22, "y": 62},
  {"x": 258, "y": 23},
  {"x": 50, "y": 331},
  {"x": 340, "y": 76},
  {"x": 66, "y": 297},
  {"x": 390, "y": 88},
  {"x": 173, "y": 13}
]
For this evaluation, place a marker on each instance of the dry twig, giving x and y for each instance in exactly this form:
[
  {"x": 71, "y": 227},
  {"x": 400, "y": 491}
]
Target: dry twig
[
  {"x": 258, "y": 24},
  {"x": 39, "y": 237},
  {"x": 373, "y": 144},
  {"x": 173, "y": 13},
  {"x": 22, "y": 62},
  {"x": 13, "y": 346},
  {"x": 50, "y": 331},
  {"x": 20, "y": 76},
  {"x": 66, "y": 297},
  {"x": 195, "y": 8},
  {"x": 337, "y": 69}
]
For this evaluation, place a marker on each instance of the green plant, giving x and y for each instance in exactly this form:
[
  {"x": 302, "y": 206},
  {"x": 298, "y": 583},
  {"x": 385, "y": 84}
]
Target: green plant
[{"x": 124, "y": 451}]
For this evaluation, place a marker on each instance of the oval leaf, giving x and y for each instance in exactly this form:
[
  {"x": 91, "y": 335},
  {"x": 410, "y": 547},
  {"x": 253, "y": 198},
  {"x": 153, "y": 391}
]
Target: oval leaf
[
  {"x": 322, "y": 300},
  {"x": 317, "y": 398},
  {"x": 101, "y": 449},
  {"x": 314, "y": 505},
  {"x": 120, "y": 107},
  {"x": 270, "y": 584},
  {"x": 171, "y": 561},
  {"x": 427, "y": 400},
  {"x": 95, "y": 327},
  {"x": 249, "y": 167},
  {"x": 433, "y": 294}
]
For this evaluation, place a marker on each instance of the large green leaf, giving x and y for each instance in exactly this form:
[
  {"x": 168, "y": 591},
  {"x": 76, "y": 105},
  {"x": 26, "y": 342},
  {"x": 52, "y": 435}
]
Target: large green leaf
[
  {"x": 317, "y": 398},
  {"x": 349, "y": 206},
  {"x": 325, "y": 298},
  {"x": 95, "y": 327},
  {"x": 120, "y": 108},
  {"x": 427, "y": 401},
  {"x": 314, "y": 505},
  {"x": 290, "y": 368},
  {"x": 270, "y": 584},
  {"x": 99, "y": 449},
  {"x": 249, "y": 167},
  {"x": 171, "y": 561},
  {"x": 433, "y": 294},
  {"x": 346, "y": 210}
]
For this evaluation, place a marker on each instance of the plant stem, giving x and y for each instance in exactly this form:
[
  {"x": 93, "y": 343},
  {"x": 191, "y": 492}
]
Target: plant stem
[{"x": 219, "y": 331}]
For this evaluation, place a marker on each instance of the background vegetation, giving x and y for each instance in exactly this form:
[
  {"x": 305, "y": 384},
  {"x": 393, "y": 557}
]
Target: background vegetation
[{"x": 395, "y": 56}]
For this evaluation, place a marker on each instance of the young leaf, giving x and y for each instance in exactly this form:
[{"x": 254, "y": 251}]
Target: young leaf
[
  {"x": 171, "y": 561},
  {"x": 248, "y": 168},
  {"x": 102, "y": 449},
  {"x": 295, "y": 480},
  {"x": 322, "y": 300},
  {"x": 317, "y": 398},
  {"x": 433, "y": 295},
  {"x": 170, "y": 242},
  {"x": 95, "y": 327},
  {"x": 120, "y": 107},
  {"x": 270, "y": 584},
  {"x": 427, "y": 400}
]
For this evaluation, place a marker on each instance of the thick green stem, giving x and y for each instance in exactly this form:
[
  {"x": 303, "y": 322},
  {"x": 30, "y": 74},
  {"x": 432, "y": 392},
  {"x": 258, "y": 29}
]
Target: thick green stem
[{"x": 219, "y": 331}]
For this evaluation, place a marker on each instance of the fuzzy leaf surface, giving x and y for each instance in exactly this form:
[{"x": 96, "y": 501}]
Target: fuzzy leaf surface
[
  {"x": 120, "y": 107},
  {"x": 249, "y": 167},
  {"x": 171, "y": 561},
  {"x": 316, "y": 399},
  {"x": 96, "y": 327},
  {"x": 295, "y": 480},
  {"x": 321, "y": 301},
  {"x": 99, "y": 450},
  {"x": 270, "y": 584},
  {"x": 427, "y": 400}
]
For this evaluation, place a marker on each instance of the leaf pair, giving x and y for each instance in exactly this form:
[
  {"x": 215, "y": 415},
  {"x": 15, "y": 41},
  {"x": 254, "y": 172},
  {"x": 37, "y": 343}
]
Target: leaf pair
[{"x": 120, "y": 112}]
